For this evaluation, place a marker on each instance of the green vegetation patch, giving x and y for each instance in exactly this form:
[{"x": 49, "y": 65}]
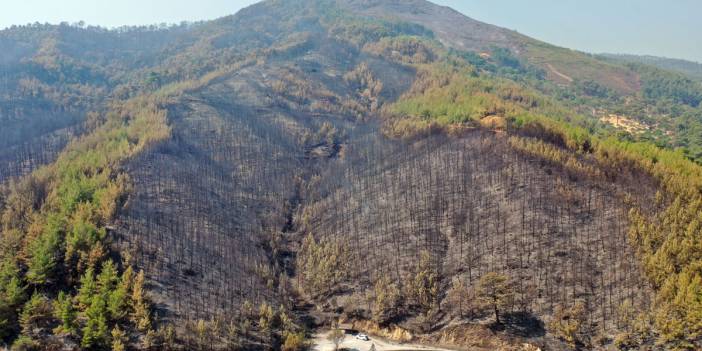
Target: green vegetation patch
[{"x": 57, "y": 274}]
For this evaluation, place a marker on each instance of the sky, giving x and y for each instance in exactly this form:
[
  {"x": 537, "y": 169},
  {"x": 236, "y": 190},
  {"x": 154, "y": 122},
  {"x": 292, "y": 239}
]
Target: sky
[{"x": 670, "y": 28}]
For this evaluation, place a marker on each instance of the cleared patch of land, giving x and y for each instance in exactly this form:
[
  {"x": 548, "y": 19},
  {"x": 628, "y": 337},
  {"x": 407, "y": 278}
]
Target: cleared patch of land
[
  {"x": 624, "y": 123},
  {"x": 321, "y": 343}
]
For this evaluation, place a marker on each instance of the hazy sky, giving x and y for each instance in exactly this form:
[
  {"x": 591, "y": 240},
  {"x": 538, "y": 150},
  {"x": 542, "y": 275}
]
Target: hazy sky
[{"x": 671, "y": 28}]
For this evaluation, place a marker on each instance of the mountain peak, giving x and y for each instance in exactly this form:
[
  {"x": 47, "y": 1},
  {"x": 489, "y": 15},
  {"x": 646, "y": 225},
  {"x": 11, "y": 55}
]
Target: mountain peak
[{"x": 451, "y": 27}]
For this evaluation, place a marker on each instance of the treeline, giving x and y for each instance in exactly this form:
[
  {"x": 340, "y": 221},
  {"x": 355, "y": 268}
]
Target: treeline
[{"x": 61, "y": 283}]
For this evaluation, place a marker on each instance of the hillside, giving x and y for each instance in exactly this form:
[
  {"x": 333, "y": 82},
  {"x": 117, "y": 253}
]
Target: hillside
[{"x": 243, "y": 182}]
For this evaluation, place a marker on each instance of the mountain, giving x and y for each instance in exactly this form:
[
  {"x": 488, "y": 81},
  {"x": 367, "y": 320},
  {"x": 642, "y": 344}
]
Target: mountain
[
  {"x": 391, "y": 164},
  {"x": 689, "y": 68}
]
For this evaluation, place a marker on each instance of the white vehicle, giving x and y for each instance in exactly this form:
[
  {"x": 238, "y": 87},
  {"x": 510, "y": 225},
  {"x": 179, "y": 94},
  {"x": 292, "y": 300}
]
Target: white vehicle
[{"x": 363, "y": 337}]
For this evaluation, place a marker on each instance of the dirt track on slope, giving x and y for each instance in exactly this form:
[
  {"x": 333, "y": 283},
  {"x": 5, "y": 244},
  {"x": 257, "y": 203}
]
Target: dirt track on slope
[{"x": 555, "y": 71}]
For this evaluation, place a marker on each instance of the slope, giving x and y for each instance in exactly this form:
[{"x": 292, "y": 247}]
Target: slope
[{"x": 302, "y": 104}]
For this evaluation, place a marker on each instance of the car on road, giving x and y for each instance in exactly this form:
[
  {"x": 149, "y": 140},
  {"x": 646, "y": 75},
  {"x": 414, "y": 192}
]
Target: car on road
[{"x": 363, "y": 337}]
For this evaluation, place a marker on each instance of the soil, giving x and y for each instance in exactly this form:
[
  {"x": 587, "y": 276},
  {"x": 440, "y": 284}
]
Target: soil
[{"x": 320, "y": 343}]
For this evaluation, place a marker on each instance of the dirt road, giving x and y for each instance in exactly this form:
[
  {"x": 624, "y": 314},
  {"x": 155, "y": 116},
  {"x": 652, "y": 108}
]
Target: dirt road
[
  {"x": 321, "y": 343},
  {"x": 555, "y": 71}
]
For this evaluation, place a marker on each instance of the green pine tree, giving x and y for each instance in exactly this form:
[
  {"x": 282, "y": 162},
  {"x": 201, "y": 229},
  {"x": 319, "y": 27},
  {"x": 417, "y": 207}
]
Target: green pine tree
[
  {"x": 65, "y": 313},
  {"x": 117, "y": 303},
  {"x": 88, "y": 289},
  {"x": 140, "y": 314},
  {"x": 95, "y": 332},
  {"x": 10, "y": 300},
  {"x": 107, "y": 279},
  {"x": 44, "y": 253},
  {"x": 35, "y": 314}
]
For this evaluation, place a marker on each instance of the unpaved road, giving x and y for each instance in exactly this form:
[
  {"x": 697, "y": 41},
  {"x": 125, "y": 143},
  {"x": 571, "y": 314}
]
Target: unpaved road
[
  {"x": 320, "y": 343},
  {"x": 555, "y": 71}
]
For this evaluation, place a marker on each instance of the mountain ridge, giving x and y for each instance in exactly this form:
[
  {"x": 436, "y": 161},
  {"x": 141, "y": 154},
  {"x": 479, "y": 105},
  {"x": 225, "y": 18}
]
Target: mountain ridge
[{"x": 689, "y": 67}]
